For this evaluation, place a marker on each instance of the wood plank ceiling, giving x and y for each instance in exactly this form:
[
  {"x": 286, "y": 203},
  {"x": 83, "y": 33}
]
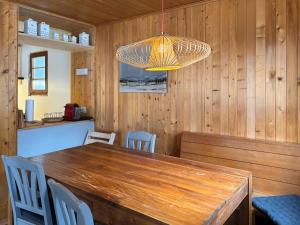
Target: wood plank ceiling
[{"x": 99, "y": 11}]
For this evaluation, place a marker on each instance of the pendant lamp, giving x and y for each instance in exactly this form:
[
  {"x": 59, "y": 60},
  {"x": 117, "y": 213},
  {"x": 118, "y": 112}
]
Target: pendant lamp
[{"x": 163, "y": 52}]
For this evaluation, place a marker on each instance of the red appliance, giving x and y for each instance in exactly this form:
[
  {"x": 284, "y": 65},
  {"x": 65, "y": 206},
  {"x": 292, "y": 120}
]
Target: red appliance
[{"x": 72, "y": 112}]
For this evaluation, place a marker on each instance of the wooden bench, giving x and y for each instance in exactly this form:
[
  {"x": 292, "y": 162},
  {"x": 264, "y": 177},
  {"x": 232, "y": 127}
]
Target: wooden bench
[{"x": 275, "y": 166}]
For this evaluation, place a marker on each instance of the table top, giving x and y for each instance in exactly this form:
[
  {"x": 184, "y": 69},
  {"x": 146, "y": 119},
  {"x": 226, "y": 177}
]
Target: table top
[{"x": 166, "y": 189}]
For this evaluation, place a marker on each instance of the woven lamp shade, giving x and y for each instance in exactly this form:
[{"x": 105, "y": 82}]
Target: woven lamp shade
[{"x": 163, "y": 52}]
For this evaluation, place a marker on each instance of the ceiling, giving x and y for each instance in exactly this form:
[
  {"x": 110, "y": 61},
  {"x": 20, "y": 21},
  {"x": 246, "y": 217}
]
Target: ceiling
[{"x": 101, "y": 11}]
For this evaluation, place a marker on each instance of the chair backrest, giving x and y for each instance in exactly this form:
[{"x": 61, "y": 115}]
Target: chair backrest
[
  {"x": 106, "y": 138},
  {"x": 140, "y": 140},
  {"x": 69, "y": 209},
  {"x": 27, "y": 187}
]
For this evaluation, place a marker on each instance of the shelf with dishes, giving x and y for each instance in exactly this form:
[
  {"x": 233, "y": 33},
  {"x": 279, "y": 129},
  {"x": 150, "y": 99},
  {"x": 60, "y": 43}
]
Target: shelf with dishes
[
  {"x": 28, "y": 39},
  {"x": 43, "y": 29}
]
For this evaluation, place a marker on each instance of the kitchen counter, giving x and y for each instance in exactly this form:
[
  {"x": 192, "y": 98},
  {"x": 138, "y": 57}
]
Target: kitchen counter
[
  {"x": 40, "y": 124},
  {"x": 38, "y": 139}
]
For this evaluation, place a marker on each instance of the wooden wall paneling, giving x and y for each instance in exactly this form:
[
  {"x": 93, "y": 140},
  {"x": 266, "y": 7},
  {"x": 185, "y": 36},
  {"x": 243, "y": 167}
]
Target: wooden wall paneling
[
  {"x": 270, "y": 44},
  {"x": 251, "y": 67},
  {"x": 173, "y": 84},
  {"x": 224, "y": 49},
  {"x": 100, "y": 43},
  {"x": 129, "y": 97},
  {"x": 118, "y": 31},
  {"x": 109, "y": 80},
  {"x": 138, "y": 105},
  {"x": 241, "y": 68},
  {"x": 209, "y": 12},
  {"x": 281, "y": 70},
  {"x": 200, "y": 75},
  {"x": 8, "y": 91},
  {"x": 159, "y": 113},
  {"x": 163, "y": 124},
  {"x": 196, "y": 24},
  {"x": 163, "y": 115},
  {"x": 103, "y": 103},
  {"x": 82, "y": 87},
  {"x": 166, "y": 124},
  {"x": 4, "y": 127},
  {"x": 240, "y": 89},
  {"x": 292, "y": 77},
  {"x": 260, "y": 69},
  {"x": 102, "y": 49},
  {"x": 232, "y": 69},
  {"x": 180, "y": 76},
  {"x": 216, "y": 69},
  {"x": 188, "y": 87},
  {"x": 12, "y": 80}
]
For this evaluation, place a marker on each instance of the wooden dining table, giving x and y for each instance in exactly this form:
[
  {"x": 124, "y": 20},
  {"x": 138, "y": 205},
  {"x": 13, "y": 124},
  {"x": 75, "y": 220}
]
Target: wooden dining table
[{"x": 122, "y": 186}]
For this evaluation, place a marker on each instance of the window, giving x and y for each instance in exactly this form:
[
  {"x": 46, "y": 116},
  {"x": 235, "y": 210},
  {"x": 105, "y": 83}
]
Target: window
[{"x": 38, "y": 82}]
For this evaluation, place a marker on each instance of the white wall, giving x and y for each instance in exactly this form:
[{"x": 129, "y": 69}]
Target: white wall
[{"x": 59, "y": 81}]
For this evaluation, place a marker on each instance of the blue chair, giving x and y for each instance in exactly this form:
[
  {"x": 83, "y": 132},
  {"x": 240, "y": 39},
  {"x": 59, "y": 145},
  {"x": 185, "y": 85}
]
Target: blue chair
[
  {"x": 28, "y": 191},
  {"x": 140, "y": 140},
  {"x": 69, "y": 209},
  {"x": 281, "y": 210}
]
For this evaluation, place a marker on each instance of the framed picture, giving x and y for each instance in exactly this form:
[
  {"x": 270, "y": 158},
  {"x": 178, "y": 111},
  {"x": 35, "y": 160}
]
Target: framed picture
[{"x": 134, "y": 79}]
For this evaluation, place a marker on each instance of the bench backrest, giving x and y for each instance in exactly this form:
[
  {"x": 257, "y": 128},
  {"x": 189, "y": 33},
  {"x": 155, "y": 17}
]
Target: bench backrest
[{"x": 275, "y": 166}]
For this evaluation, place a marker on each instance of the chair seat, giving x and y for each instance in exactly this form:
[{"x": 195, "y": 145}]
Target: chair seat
[{"x": 282, "y": 210}]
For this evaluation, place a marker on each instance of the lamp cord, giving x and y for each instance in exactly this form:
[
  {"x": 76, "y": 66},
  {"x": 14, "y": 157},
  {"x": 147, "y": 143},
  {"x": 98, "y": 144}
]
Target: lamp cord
[{"x": 162, "y": 17}]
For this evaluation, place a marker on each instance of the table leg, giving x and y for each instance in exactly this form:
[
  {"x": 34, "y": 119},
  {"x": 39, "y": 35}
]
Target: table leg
[{"x": 244, "y": 216}]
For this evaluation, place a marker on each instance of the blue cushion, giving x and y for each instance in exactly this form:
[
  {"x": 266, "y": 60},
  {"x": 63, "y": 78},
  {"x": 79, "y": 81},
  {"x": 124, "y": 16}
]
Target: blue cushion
[{"x": 282, "y": 210}]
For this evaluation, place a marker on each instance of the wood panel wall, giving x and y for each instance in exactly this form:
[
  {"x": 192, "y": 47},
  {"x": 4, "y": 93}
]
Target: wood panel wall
[
  {"x": 248, "y": 87},
  {"x": 83, "y": 87},
  {"x": 8, "y": 91}
]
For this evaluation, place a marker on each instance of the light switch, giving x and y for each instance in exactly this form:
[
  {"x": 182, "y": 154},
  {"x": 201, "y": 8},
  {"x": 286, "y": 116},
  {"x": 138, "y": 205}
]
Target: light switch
[{"x": 82, "y": 72}]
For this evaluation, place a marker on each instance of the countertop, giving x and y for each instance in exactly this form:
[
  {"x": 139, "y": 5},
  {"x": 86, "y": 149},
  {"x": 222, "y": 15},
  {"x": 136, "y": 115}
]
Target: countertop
[{"x": 40, "y": 124}]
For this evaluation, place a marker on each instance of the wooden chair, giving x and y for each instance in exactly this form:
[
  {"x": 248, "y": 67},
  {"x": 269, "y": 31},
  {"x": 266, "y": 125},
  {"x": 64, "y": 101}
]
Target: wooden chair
[
  {"x": 28, "y": 191},
  {"x": 69, "y": 209},
  {"x": 106, "y": 138},
  {"x": 140, "y": 140}
]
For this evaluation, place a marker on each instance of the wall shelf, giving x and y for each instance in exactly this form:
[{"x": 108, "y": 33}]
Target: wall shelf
[{"x": 50, "y": 43}]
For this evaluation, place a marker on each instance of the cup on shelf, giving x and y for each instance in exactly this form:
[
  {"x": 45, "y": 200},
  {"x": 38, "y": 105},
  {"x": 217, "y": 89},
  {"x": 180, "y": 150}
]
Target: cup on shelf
[
  {"x": 30, "y": 27},
  {"x": 56, "y": 36},
  {"x": 65, "y": 37},
  {"x": 84, "y": 39},
  {"x": 73, "y": 39},
  {"x": 44, "y": 30}
]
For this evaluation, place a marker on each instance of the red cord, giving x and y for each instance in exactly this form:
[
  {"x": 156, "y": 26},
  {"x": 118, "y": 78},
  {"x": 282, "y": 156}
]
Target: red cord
[{"x": 162, "y": 17}]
